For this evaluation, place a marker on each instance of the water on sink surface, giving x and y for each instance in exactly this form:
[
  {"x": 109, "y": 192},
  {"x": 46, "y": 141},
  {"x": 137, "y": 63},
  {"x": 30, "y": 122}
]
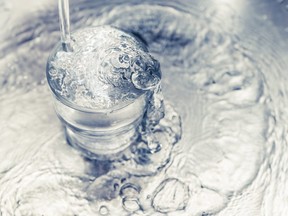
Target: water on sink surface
[{"x": 224, "y": 76}]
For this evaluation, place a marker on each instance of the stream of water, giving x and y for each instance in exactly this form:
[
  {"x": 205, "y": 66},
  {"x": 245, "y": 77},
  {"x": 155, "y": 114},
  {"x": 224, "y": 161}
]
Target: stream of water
[{"x": 224, "y": 75}]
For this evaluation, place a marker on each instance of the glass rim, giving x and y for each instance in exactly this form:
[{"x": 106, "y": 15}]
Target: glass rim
[{"x": 115, "y": 108}]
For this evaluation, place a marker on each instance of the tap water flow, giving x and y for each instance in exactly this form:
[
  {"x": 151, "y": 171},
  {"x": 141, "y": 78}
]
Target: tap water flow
[{"x": 64, "y": 18}]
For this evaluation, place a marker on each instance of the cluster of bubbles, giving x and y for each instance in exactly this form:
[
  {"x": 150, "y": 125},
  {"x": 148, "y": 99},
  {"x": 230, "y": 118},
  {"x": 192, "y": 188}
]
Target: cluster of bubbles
[{"x": 107, "y": 67}]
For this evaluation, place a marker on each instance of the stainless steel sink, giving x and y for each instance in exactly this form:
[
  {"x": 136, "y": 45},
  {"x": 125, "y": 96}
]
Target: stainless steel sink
[{"x": 224, "y": 66}]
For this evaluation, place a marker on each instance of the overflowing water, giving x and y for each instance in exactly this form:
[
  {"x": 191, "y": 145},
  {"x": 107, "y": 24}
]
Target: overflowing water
[
  {"x": 222, "y": 72},
  {"x": 97, "y": 74},
  {"x": 111, "y": 74}
]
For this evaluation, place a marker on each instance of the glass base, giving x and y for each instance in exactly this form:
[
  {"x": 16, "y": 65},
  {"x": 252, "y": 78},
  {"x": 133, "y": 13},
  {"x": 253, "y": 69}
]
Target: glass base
[{"x": 101, "y": 146}]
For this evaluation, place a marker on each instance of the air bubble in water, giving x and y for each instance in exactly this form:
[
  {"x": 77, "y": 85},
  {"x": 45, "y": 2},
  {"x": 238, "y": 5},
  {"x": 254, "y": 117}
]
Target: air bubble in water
[
  {"x": 104, "y": 210},
  {"x": 171, "y": 195},
  {"x": 129, "y": 190},
  {"x": 131, "y": 204}
]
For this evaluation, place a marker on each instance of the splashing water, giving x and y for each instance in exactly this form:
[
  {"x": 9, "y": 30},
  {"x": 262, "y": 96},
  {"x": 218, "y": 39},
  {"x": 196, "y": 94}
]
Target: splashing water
[
  {"x": 107, "y": 68},
  {"x": 226, "y": 78}
]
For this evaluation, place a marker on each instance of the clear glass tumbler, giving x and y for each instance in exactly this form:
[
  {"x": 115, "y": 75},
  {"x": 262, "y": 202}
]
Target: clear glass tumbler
[{"x": 98, "y": 133}]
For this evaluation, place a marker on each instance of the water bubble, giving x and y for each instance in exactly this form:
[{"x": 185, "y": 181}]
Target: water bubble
[
  {"x": 145, "y": 81},
  {"x": 104, "y": 210},
  {"x": 129, "y": 190},
  {"x": 147, "y": 75},
  {"x": 131, "y": 204},
  {"x": 171, "y": 195},
  {"x": 53, "y": 72}
]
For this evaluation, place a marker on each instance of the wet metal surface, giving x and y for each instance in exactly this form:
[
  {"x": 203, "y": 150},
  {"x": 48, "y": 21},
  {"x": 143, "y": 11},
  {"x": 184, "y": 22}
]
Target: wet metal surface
[{"x": 224, "y": 68}]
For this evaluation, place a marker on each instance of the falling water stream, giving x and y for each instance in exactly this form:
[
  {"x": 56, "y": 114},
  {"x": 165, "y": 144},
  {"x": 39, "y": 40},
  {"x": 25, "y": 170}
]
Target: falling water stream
[
  {"x": 224, "y": 142},
  {"x": 64, "y": 18}
]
